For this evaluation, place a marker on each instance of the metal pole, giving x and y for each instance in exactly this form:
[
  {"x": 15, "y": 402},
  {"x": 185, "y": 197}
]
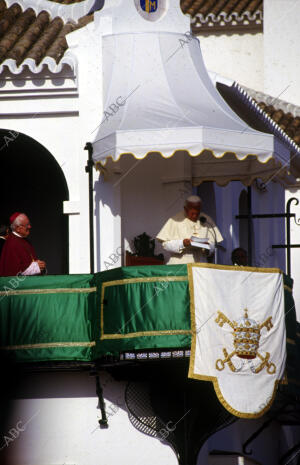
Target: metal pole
[
  {"x": 288, "y": 233},
  {"x": 288, "y": 240},
  {"x": 89, "y": 170},
  {"x": 249, "y": 203},
  {"x": 103, "y": 421}
]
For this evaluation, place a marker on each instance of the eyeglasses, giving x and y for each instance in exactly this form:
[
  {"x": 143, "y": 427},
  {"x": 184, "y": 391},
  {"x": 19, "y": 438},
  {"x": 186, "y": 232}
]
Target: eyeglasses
[{"x": 26, "y": 226}]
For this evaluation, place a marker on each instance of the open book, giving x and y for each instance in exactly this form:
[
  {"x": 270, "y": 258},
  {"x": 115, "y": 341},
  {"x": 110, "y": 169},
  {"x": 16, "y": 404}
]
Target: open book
[{"x": 200, "y": 242}]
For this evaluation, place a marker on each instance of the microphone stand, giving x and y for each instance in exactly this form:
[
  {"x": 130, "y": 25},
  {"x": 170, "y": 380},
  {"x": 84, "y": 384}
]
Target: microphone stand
[{"x": 203, "y": 220}]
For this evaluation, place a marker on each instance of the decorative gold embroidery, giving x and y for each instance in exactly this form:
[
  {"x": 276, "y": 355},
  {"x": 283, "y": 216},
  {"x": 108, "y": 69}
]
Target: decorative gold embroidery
[
  {"x": 61, "y": 290},
  {"x": 220, "y": 364},
  {"x": 167, "y": 332},
  {"x": 222, "y": 319},
  {"x": 246, "y": 342},
  {"x": 271, "y": 368},
  {"x": 214, "y": 379},
  {"x": 123, "y": 282},
  {"x": 48, "y": 345},
  {"x": 234, "y": 268}
]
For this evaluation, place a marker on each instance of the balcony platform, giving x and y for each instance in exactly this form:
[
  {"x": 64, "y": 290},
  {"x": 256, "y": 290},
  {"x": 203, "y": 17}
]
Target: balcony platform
[{"x": 128, "y": 314}]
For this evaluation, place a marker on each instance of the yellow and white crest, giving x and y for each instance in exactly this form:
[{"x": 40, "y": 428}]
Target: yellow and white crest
[
  {"x": 246, "y": 334},
  {"x": 240, "y": 346}
]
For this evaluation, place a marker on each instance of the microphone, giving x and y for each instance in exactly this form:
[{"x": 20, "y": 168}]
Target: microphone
[{"x": 202, "y": 219}]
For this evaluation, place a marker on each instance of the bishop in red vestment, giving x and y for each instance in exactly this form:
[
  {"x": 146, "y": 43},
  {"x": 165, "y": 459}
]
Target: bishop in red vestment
[{"x": 18, "y": 255}]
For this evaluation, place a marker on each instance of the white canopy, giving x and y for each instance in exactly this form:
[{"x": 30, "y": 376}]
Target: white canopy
[{"x": 158, "y": 97}]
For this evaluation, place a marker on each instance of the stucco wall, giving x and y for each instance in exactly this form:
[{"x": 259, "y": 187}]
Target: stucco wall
[
  {"x": 238, "y": 57},
  {"x": 61, "y": 112},
  {"x": 57, "y": 416},
  {"x": 281, "y": 49}
]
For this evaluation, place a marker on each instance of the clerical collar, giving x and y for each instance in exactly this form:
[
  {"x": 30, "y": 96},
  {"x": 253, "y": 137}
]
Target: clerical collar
[{"x": 16, "y": 234}]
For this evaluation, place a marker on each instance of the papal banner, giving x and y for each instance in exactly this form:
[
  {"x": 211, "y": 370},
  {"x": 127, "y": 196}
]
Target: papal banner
[{"x": 238, "y": 334}]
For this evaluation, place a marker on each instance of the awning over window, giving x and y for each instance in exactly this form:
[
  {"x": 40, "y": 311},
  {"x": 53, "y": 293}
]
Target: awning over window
[{"x": 158, "y": 97}]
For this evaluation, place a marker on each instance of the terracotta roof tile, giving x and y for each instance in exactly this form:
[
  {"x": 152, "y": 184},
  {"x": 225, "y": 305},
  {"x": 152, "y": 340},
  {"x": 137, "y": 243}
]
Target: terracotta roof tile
[
  {"x": 218, "y": 15},
  {"x": 30, "y": 38},
  {"x": 41, "y": 46},
  {"x": 273, "y": 116},
  {"x": 16, "y": 30},
  {"x": 289, "y": 123},
  {"x": 25, "y": 35},
  {"x": 284, "y": 116},
  {"x": 59, "y": 45},
  {"x": 8, "y": 17},
  {"x": 222, "y": 5},
  {"x": 26, "y": 40},
  {"x": 233, "y": 6},
  {"x": 254, "y": 5}
]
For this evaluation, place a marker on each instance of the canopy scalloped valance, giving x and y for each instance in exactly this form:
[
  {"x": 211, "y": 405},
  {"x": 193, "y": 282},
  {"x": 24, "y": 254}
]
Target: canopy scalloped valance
[
  {"x": 158, "y": 97},
  {"x": 208, "y": 166}
]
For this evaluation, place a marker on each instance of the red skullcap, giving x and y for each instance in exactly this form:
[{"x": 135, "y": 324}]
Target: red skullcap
[{"x": 13, "y": 217}]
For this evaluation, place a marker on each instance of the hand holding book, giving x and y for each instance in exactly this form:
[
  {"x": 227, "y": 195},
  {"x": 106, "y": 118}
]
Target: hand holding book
[{"x": 200, "y": 242}]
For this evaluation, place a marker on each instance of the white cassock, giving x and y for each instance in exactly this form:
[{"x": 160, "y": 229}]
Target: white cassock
[{"x": 178, "y": 228}]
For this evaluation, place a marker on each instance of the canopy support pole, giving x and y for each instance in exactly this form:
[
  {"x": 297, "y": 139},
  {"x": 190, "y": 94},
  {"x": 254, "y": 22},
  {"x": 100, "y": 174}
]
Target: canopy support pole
[
  {"x": 249, "y": 201},
  {"x": 89, "y": 170}
]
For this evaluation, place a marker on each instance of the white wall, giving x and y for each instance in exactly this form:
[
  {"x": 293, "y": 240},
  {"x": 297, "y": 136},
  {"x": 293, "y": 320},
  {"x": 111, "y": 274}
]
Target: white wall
[
  {"x": 62, "y": 414},
  {"x": 60, "y": 112},
  {"x": 238, "y": 57},
  {"x": 152, "y": 192},
  {"x": 227, "y": 208},
  {"x": 45, "y": 108},
  {"x": 281, "y": 79},
  {"x": 281, "y": 49}
]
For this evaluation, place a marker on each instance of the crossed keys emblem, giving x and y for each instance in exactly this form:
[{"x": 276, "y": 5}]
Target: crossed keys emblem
[{"x": 246, "y": 333}]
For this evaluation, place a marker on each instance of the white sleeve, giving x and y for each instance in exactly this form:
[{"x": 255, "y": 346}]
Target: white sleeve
[
  {"x": 32, "y": 270},
  {"x": 174, "y": 246}
]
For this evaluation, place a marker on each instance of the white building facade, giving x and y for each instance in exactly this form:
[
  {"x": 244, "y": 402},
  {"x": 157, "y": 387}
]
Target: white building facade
[{"x": 54, "y": 109}]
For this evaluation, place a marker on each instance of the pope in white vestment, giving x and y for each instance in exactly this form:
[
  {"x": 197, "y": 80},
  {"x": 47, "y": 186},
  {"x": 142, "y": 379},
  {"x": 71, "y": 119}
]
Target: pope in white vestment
[{"x": 178, "y": 230}]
